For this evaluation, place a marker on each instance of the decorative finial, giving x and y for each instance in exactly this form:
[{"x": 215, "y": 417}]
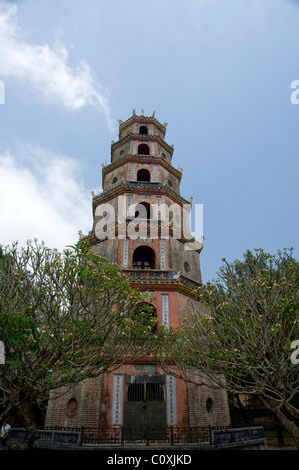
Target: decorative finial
[
  {"x": 93, "y": 193},
  {"x": 103, "y": 165},
  {"x": 120, "y": 122},
  {"x": 176, "y": 276},
  {"x": 142, "y": 112},
  {"x": 153, "y": 115},
  {"x": 134, "y": 113}
]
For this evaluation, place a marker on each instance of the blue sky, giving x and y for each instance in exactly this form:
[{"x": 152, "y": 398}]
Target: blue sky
[{"x": 219, "y": 72}]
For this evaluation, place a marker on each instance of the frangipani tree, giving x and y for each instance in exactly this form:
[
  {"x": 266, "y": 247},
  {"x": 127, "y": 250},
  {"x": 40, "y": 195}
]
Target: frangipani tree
[
  {"x": 242, "y": 337},
  {"x": 64, "y": 317}
]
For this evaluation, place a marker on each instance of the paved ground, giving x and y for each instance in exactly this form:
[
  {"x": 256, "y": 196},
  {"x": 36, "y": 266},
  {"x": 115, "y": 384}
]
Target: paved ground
[{"x": 288, "y": 444}]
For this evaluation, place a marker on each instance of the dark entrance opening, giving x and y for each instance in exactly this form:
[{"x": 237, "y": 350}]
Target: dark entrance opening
[
  {"x": 143, "y": 130},
  {"x": 147, "y": 392},
  {"x": 143, "y": 175},
  {"x": 143, "y": 211},
  {"x": 143, "y": 149},
  {"x": 144, "y": 258},
  {"x": 143, "y": 215},
  {"x": 145, "y": 407}
]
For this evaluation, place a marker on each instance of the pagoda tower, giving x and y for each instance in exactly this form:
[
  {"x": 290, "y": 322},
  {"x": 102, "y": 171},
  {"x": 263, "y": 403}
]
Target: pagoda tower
[{"x": 141, "y": 223}]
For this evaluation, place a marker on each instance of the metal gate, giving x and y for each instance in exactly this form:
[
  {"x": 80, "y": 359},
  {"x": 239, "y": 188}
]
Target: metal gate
[{"x": 145, "y": 408}]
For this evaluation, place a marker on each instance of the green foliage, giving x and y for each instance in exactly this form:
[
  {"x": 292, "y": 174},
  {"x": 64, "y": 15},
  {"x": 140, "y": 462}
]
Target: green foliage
[
  {"x": 64, "y": 317},
  {"x": 251, "y": 318}
]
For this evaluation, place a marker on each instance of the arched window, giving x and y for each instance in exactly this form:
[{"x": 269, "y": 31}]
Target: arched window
[
  {"x": 143, "y": 258},
  {"x": 143, "y": 175},
  {"x": 143, "y": 211},
  {"x": 209, "y": 405},
  {"x": 187, "y": 267},
  {"x": 143, "y": 149},
  {"x": 147, "y": 314},
  {"x": 143, "y": 130}
]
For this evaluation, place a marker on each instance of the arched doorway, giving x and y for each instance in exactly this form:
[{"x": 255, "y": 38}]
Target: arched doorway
[
  {"x": 147, "y": 314},
  {"x": 143, "y": 175},
  {"x": 143, "y": 149},
  {"x": 143, "y": 211},
  {"x": 143, "y": 258},
  {"x": 143, "y": 130}
]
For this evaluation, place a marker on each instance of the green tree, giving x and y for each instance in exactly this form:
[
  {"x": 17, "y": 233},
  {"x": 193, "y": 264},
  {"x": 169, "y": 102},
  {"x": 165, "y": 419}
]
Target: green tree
[
  {"x": 64, "y": 317},
  {"x": 241, "y": 337}
]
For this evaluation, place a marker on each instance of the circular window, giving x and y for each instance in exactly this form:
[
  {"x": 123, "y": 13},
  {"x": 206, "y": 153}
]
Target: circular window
[
  {"x": 72, "y": 406},
  {"x": 187, "y": 267},
  {"x": 121, "y": 152},
  {"x": 209, "y": 405},
  {"x": 163, "y": 155},
  {"x": 114, "y": 179},
  {"x": 169, "y": 182}
]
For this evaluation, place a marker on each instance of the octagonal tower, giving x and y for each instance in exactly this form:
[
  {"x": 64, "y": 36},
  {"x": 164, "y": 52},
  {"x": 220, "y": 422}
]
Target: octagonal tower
[{"x": 141, "y": 222}]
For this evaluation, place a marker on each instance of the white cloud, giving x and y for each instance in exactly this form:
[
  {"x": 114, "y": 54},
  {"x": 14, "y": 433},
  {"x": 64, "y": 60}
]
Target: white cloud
[
  {"x": 41, "y": 197},
  {"x": 46, "y": 68}
]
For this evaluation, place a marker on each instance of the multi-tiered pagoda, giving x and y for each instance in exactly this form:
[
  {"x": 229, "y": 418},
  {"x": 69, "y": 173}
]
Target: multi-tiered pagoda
[{"x": 139, "y": 223}]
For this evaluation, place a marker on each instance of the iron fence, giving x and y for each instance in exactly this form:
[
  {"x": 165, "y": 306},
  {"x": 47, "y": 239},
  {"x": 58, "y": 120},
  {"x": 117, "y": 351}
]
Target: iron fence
[{"x": 173, "y": 435}]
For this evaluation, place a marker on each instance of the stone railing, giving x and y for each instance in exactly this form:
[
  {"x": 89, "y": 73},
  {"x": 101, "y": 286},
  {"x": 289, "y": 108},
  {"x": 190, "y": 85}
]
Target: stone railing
[
  {"x": 160, "y": 275},
  {"x": 152, "y": 275},
  {"x": 203, "y": 437},
  {"x": 52, "y": 438},
  {"x": 230, "y": 435}
]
